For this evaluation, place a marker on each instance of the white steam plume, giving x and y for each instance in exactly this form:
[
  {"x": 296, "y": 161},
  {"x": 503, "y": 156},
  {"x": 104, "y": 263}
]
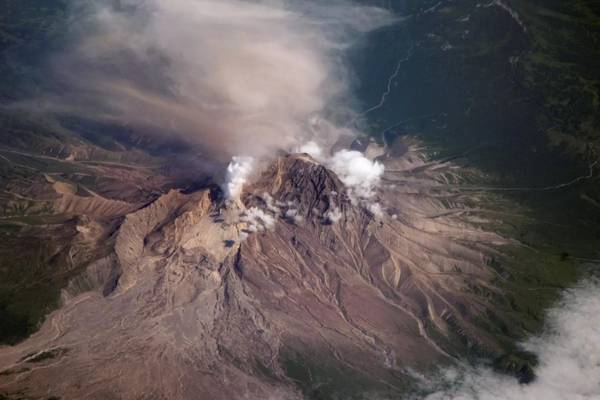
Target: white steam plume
[
  {"x": 569, "y": 356},
  {"x": 357, "y": 172},
  {"x": 233, "y": 76},
  {"x": 312, "y": 149},
  {"x": 258, "y": 220},
  {"x": 360, "y": 175},
  {"x": 238, "y": 172},
  {"x": 334, "y": 215}
]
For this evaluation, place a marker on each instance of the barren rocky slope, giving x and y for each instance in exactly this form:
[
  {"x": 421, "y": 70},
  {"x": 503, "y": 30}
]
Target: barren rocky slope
[{"x": 310, "y": 296}]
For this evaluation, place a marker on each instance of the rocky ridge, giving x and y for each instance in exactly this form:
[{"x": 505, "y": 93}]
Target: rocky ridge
[{"x": 293, "y": 292}]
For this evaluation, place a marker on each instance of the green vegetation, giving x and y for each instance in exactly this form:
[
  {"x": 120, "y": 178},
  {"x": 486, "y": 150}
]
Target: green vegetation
[
  {"x": 515, "y": 97},
  {"x": 32, "y": 272},
  {"x": 29, "y": 30},
  {"x": 522, "y": 99},
  {"x": 522, "y": 106},
  {"x": 562, "y": 66},
  {"x": 34, "y": 241},
  {"x": 320, "y": 378}
]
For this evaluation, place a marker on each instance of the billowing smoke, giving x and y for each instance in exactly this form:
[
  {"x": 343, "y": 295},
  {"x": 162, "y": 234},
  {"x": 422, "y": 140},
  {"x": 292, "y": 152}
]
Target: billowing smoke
[
  {"x": 569, "y": 355},
  {"x": 358, "y": 173},
  {"x": 258, "y": 220},
  {"x": 312, "y": 149},
  {"x": 233, "y": 76},
  {"x": 238, "y": 171}
]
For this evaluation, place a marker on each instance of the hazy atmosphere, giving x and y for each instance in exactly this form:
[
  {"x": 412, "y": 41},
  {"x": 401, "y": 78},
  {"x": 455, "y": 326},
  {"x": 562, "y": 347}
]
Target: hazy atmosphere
[
  {"x": 232, "y": 76},
  {"x": 299, "y": 200}
]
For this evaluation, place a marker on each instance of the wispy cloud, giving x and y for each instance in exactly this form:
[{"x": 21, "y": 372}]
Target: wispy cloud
[{"x": 569, "y": 359}]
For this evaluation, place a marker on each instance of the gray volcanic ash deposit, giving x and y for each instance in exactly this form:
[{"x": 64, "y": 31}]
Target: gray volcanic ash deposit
[{"x": 294, "y": 289}]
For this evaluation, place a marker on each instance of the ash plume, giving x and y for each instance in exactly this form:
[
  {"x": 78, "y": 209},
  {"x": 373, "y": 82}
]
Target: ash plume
[{"x": 235, "y": 77}]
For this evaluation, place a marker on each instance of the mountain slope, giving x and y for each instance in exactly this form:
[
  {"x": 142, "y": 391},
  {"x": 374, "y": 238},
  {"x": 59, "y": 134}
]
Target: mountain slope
[{"x": 296, "y": 290}]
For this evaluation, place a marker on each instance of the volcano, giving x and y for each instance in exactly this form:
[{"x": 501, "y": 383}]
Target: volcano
[{"x": 295, "y": 289}]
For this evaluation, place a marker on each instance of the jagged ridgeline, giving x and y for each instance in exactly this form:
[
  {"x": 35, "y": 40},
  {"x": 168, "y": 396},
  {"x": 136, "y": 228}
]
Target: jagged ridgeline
[
  {"x": 292, "y": 302},
  {"x": 58, "y": 175}
]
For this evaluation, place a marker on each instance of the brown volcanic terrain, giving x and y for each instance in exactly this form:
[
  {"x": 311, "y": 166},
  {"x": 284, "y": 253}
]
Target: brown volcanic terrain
[{"x": 198, "y": 298}]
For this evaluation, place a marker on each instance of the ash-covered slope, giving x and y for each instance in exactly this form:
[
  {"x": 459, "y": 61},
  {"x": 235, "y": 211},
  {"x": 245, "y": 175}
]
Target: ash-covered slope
[{"x": 295, "y": 291}]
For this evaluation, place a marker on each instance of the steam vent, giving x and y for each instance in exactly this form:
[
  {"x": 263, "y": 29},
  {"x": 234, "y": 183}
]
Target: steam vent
[{"x": 299, "y": 200}]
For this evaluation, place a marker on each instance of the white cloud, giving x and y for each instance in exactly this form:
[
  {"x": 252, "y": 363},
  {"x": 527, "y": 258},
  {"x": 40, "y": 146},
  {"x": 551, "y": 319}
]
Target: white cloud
[
  {"x": 569, "y": 359},
  {"x": 358, "y": 173}
]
